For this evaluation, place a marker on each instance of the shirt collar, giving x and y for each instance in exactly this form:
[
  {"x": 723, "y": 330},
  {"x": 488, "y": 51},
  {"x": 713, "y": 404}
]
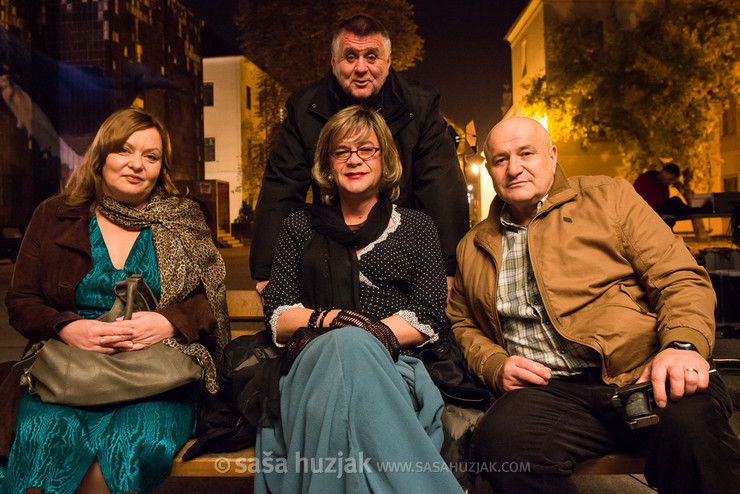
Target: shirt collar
[{"x": 506, "y": 220}]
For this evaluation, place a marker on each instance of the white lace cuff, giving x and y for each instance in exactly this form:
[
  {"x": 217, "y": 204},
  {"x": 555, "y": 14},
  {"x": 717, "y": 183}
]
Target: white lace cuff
[
  {"x": 273, "y": 320},
  {"x": 425, "y": 329}
]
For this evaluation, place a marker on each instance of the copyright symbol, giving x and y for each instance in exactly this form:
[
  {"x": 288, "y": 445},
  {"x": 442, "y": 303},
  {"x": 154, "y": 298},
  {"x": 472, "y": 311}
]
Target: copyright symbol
[{"x": 222, "y": 465}]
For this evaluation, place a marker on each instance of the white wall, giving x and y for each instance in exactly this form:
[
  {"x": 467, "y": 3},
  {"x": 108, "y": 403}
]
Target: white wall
[{"x": 223, "y": 121}]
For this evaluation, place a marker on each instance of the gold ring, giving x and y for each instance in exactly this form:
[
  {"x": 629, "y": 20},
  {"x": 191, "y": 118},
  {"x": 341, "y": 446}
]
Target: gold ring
[{"x": 691, "y": 369}]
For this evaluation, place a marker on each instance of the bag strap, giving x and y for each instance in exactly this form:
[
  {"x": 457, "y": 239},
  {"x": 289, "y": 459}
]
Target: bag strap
[
  {"x": 131, "y": 286},
  {"x": 29, "y": 357},
  {"x": 132, "y": 295}
]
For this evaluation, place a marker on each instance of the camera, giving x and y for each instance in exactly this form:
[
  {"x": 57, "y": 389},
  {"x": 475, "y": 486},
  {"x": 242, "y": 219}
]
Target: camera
[{"x": 637, "y": 403}]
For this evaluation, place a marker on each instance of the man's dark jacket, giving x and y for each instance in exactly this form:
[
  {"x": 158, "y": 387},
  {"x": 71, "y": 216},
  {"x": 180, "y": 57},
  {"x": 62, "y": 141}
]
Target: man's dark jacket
[{"x": 432, "y": 181}]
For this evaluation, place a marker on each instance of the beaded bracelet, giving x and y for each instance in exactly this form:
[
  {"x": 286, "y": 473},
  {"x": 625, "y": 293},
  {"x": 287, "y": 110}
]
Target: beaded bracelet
[
  {"x": 324, "y": 313},
  {"x": 312, "y": 318}
]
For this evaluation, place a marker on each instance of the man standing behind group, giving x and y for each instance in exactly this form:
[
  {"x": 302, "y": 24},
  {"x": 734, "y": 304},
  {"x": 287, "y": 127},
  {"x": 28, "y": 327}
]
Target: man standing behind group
[
  {"x": 361, "y": 74},
  {"x": 573, "y": 286}
]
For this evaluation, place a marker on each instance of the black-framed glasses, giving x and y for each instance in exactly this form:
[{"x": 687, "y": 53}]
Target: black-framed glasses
[{"x": 364, "y": 153}]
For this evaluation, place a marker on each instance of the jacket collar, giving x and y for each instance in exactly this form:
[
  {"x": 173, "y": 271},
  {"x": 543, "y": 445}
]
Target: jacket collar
[
  {"x": 560, "y": 192},
  {"x": 76, "y": 236},
  {"x": 489, "y": 230},
  {"x": 328, "y": 98}
]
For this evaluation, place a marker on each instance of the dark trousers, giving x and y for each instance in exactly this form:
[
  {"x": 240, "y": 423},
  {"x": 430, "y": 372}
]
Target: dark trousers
[{"x": 692, "y": 449}]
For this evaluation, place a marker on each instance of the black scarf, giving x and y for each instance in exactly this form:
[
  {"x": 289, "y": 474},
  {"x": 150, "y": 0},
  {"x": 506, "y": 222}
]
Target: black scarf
[{"x": 330, "y": 274}]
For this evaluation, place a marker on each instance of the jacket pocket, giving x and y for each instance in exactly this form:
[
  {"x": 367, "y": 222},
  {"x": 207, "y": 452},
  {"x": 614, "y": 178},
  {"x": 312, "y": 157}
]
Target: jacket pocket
[{"x": 632, "y": 297}]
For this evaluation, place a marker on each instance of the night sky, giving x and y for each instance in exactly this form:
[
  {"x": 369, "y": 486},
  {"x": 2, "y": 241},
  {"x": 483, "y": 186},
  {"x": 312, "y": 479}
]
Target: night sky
[{"x": 466, "y": 58}]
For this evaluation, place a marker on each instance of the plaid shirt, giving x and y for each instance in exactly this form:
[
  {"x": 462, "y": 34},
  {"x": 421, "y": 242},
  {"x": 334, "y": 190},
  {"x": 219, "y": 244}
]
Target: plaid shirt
[{"x": 525, "y": 324}]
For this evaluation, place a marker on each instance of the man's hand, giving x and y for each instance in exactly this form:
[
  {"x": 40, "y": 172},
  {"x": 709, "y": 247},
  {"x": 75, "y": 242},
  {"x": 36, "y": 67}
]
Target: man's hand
[
  {"x": 450, "y": 280},
  {"x": 261, "y": 286},
  {"x": 685, "y": 370},
  {"x": 520, "y": 372}
]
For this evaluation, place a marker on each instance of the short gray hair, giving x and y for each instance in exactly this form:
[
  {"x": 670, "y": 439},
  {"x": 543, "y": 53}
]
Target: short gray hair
[{"x": 360, "y": 25}]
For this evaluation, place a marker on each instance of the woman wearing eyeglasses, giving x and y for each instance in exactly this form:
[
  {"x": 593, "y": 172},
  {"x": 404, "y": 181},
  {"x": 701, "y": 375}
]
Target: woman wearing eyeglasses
[{"x": 353, "y": 282}]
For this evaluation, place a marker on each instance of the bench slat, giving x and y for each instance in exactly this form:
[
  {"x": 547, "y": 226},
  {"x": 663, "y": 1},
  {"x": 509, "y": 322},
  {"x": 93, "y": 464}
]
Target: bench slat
[
  {"x": 613, "y": 464},
  {"x": 233, "y": 464},
  {"x": 244, "y": 305}
]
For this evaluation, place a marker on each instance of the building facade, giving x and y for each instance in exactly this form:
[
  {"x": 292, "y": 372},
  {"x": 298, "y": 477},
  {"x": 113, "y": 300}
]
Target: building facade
[
  {"x": 730, "y": 147},
  {"x": 528, "y": 40},
  {"x": 234, "y": 130},
  {"x": 68, "y": 64}
]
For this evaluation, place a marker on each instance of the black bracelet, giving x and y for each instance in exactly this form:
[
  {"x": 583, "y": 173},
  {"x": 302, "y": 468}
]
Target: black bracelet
[
  {"x": 312, "y": 318},
  {"x": 324, "y": 313}
]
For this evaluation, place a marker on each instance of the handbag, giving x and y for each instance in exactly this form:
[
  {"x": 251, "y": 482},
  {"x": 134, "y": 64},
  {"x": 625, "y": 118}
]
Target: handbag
[
  {"x": 249, "y": 397},
  {"x": 61, "y": 373},
  {"x": 446, "y": 365}
]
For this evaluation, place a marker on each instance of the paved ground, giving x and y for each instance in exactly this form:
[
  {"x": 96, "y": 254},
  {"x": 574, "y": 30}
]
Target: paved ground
[{"x": 237, "y": 268}]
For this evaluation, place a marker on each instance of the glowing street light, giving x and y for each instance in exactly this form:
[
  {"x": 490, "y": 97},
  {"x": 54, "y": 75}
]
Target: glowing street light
[{"x": 543, "y": 121}]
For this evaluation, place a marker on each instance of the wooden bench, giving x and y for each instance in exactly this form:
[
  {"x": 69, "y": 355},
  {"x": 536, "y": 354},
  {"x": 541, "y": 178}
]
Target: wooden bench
[
  {"x": 612, "y": 464},
  {"x": 245, "y": 306}
]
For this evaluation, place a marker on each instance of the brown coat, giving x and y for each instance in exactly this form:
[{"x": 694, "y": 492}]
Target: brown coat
[
  {"x": 611, "y": 274},
  {"x": 54, "y": 258}
]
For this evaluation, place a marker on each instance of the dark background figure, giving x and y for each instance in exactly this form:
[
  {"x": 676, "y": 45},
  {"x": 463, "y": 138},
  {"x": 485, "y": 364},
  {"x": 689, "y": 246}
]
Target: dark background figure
[
  {"x": 431, "y": 181},
  {"x": 654, "y": 187}
]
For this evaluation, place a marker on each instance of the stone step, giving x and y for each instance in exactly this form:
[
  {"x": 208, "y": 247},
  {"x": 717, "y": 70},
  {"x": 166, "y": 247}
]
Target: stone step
[{"x": 227, "y": 240}]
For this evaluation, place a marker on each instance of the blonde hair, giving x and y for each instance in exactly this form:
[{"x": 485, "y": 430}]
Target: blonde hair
[
  {"x": 85, "y": 182},
  {"x": 359, "y": 121}
]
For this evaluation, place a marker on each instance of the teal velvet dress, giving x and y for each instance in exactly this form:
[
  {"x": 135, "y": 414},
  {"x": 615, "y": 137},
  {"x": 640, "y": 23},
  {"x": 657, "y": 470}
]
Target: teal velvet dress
[{"x": 134, "y": 443}]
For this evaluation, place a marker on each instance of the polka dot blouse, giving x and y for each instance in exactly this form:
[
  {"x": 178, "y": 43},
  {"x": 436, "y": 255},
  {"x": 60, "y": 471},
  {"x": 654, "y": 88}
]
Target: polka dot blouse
[{"x": 401, "y": 272}]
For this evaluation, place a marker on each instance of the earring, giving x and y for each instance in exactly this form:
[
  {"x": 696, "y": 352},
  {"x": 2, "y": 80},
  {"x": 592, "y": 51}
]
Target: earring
[{"x": 331, "y": 179}]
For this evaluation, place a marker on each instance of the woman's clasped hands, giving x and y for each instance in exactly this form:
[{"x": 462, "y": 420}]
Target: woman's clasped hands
[{"x": 142, "y": 330}]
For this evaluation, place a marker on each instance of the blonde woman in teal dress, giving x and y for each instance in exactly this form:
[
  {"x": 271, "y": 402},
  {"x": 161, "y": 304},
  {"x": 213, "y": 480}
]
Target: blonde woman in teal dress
[{"x": 118, "y": 215}]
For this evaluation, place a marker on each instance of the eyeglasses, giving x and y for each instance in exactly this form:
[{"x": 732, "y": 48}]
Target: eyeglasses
[{"x": 364, "y": 153}]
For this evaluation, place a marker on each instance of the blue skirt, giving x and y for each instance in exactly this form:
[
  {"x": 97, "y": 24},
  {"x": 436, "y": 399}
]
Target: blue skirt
[
  {"x": 354, "y": 421},
  {"x": 134, "y": 443}
]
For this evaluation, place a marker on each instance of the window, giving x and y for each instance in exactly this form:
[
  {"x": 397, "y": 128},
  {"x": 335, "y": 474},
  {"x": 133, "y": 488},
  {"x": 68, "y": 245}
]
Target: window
[
  {"x": 729, "y": 184},
  {"x": 207, "y": 94},
  {"x": 249, "y": 98},
  {"x": 729, "y": 119},
  {"x": 524, "y": 58},
  {"x": 210, "y": 149}
]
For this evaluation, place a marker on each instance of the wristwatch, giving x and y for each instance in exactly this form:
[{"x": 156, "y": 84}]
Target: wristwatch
[{"x": 681, "y": 345}]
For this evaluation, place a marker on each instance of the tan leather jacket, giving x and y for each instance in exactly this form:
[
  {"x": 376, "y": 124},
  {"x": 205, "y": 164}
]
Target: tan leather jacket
[{"x": 611, "y": 274}]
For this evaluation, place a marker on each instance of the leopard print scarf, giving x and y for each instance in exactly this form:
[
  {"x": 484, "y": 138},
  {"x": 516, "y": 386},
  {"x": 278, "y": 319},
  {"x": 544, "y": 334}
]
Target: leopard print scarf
[{"x": 187, "y": 258}]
